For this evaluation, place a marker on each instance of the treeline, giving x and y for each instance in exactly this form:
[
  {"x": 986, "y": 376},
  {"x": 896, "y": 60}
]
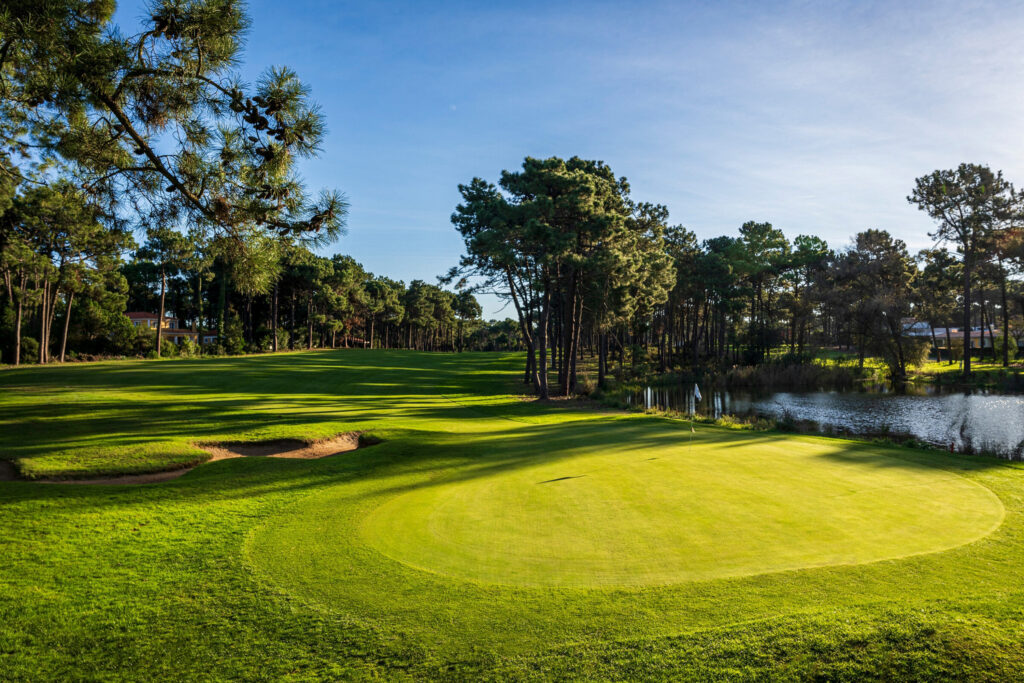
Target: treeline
[
  {"x": 290, "y": 298},
  {"x": 58, "y": 256},
  {"x": 589, "y": 269},
  {"x": 108, "y": 132},
  {"x": 68, "y": 280}
]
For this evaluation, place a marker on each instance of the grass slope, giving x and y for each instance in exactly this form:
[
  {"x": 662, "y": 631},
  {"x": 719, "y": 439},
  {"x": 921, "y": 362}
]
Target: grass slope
[{"x": 486, "y": 537}]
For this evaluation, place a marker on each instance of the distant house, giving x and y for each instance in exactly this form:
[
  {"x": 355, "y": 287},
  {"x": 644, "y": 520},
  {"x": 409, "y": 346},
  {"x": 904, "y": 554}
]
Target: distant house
[
  {"x": 980, "y": 338},
  {"x": 169, "y": 330}
]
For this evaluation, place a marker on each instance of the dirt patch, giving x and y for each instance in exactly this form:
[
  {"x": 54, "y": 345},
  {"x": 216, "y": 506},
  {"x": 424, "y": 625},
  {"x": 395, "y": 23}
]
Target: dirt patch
[{"x": 277, "y": 448}]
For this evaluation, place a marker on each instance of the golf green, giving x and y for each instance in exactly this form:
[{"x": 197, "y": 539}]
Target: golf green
[{"x": 665, "y": 512}]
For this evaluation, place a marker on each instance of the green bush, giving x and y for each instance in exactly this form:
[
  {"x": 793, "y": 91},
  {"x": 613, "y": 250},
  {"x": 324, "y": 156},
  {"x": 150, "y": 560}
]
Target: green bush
[
  {"x": 188, "y": 349},
  {"x": 282, "y": 339},
  {"x": 234, "y": 338},
  {"x": 29, "y": 350},
  {"x": 123, "y": 335},
  {"x": 169, "y": 349},
  {"x": 144, "y": 342},
  {"x": 585, "y": 385}
]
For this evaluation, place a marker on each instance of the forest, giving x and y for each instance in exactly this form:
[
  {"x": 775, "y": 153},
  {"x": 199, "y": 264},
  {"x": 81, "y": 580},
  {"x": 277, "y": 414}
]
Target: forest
[
  {"x": 614, "y": 279},
  {"x": 141, "y": 174},
  {"x": 587, "y": 267},
  {"x": 67, "y": 292}
]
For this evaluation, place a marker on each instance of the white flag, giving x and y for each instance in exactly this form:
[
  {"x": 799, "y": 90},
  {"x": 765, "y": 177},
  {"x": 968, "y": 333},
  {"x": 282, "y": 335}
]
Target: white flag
[{"x": 696, "y": 392}]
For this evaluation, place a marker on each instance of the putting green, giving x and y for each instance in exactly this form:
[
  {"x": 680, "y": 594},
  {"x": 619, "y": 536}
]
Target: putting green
[{"x": 600, "y": 511}]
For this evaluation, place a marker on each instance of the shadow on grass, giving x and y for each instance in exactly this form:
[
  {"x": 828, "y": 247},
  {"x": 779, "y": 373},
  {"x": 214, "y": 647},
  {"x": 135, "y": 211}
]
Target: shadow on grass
[
  {"x": 364, "y": 389},
  {"x": 423, "y": 455}
]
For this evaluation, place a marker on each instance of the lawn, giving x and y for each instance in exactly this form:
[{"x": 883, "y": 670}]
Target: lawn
[
  {"x": 486, "y": 536},
  {"x": 981, "y": 370}
]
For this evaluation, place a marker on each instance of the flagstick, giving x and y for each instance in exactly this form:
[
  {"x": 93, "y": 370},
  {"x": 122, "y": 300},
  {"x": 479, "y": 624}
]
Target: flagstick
[
  {"x": 690, "y": 447},
  {"x": 693, "y": 410}
]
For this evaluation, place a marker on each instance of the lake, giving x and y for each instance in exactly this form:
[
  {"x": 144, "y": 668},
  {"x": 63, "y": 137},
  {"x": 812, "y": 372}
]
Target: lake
[{"x": 977, "y": 421}]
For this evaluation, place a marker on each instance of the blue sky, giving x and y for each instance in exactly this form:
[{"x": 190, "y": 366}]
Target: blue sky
[{"x": 815, "y": 116}]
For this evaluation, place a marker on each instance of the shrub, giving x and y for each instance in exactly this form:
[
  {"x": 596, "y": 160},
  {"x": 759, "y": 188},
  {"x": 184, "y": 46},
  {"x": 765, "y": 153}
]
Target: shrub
[
  {"x": 169, "y": 349},
  {"x": 786, "y": 422},
  {"x": 123, "y": 335},
  {"x": 730, "y": 421},
  {"x": 144, "y": 342},
  {"x": 188, "y": 349},
  {"x": 29, "y": 350},
  {"x": 915, "y": 353},
  {"x": 234, "y": 338},
  {"x": 585, "y": 385},
  {"x": 805, "y": 376}
]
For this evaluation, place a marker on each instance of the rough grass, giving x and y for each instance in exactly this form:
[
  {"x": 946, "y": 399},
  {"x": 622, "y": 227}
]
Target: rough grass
[{"x": 268, "y": 569}]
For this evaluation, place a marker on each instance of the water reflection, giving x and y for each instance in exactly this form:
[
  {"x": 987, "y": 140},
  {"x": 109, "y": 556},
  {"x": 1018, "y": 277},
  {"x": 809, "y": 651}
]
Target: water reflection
[{"x": 976, "y": 422}]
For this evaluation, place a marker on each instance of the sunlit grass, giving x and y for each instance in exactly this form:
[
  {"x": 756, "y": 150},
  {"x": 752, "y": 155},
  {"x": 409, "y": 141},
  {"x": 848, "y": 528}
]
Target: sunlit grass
[
  {"x": 486, "y": 537},
  {"x": 983, "y": 367}
]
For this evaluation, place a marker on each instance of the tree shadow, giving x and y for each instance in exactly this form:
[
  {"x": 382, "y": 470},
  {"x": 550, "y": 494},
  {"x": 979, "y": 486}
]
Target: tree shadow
[{"x": 379, "y": 390}]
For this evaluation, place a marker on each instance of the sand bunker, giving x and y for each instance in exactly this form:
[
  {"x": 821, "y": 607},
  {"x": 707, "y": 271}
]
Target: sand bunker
[
  {"x": 283, "y": 448},
  {"x": 277, "y": 448}
]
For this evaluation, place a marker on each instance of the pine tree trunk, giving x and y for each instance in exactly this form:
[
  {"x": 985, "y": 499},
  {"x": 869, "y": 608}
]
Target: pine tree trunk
[
  {"x": 67, "y": 320},
  {"x": 987, "y": 326},
  {"x": 1006, "y": 317},
  {"x": 574, "y": 349},
  {"x": 222, "y": 306},
  {"x": 17, "y": 323},
  {"x": 967, "y": 314},
  {"x": 273, "y": 316},
  {"x": 309, "y": 319},
  {"x": 250, "y": 331},
  {"x": 542, "y": 343},
  {"x": 291, "y": 326},
  {"x": 51, "y": 315},
  {"x": 160, "y": 319},
  {"x": 199, "y": 312},
  {"x": 530, "y": 374},
  {"x": 43, "y": 316}
]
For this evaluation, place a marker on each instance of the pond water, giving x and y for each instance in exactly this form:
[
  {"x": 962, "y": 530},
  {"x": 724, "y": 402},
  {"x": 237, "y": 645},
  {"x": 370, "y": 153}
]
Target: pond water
[{"x": 976, "y": 422}]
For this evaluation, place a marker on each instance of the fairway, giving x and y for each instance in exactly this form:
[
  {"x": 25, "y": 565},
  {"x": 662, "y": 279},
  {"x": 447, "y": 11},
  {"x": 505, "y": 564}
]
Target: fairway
[{"x": 484, "y": 536}]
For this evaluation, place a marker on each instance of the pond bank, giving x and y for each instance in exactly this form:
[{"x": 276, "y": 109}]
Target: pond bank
[{"x": 977, "y": 421}]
